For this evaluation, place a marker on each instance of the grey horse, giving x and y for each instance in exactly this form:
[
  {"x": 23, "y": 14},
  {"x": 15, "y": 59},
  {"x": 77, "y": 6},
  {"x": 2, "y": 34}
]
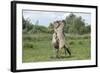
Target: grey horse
[{"x": 58, "y": 38}]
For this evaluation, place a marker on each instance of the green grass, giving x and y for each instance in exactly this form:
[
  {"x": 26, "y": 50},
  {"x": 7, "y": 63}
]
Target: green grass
[{"x": 37, "y": 47}]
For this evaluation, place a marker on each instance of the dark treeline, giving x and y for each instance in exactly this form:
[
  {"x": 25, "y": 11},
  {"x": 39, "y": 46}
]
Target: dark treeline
[{"x": 73, "y": 25}]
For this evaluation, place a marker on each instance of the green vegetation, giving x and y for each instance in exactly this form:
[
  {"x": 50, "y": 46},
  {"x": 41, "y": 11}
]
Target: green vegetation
[
  {"x": 36, "y": 40},
  {"x": 37, "y": 47},
  {"x": 73, "y": 25}
]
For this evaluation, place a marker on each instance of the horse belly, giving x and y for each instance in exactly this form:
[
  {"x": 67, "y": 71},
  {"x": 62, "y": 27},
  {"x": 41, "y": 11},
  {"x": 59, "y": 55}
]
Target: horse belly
[{"x": 55, "y": 43}]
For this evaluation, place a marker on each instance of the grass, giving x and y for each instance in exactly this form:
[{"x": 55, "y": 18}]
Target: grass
[{"x": 37, "y": 47}]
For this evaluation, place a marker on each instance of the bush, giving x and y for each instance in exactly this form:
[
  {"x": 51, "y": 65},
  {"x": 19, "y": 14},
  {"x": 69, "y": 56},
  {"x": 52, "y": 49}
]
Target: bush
[
  {"x": 27, "y": 45},
  {"x": 71, "y": 42},
  {"x": 80, "y": 42}
]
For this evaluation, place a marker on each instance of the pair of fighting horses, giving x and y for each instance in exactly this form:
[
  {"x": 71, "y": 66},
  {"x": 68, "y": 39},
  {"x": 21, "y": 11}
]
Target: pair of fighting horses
[{"x": 58, "y": 39}]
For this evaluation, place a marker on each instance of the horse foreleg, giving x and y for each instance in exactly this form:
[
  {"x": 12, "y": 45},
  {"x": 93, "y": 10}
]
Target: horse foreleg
[
  {"x": 65, "y": 51},
  {"x": 57, "y": 53}
]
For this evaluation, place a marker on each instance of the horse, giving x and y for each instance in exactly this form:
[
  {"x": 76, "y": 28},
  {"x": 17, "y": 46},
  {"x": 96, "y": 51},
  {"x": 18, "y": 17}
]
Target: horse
[{"x": 58, "y": 38}]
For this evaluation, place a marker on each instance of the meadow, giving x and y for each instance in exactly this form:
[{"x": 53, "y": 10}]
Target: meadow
[{"x": 37, "y": 47}]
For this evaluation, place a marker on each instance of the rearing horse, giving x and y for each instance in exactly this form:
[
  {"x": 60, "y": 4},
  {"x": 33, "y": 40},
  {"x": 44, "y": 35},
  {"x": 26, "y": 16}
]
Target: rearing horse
[{"x": 58, "y": 39}]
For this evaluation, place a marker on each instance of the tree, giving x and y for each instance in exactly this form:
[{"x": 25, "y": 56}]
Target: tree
[
  {"x": 26, "y": 24},
  {"x": 50, "y": 28},
  {"x": 75, "y": 25},
  {"x": 28, "y": 27},
  {"x": 69, "y": 23}
]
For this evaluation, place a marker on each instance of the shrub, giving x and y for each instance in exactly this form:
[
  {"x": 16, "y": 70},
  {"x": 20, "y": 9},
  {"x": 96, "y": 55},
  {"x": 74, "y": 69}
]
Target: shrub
[{"x": 27, "y": 45}]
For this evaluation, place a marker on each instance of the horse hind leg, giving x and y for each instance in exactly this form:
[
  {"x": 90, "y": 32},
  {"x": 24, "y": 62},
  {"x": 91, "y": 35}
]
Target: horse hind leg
[{"x": 67, "y": 49}]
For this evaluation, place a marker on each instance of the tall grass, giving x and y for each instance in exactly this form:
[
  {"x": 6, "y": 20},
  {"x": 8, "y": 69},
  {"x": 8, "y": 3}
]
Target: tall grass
[{"x": 37, "y": 47}]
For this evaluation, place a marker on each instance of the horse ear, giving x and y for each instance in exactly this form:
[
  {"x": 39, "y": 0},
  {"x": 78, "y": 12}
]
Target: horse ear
[
  {"x": 57, "y": 21},
  {"x": 56, "y": 24},
  {"x": 64, "y": 21}
]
